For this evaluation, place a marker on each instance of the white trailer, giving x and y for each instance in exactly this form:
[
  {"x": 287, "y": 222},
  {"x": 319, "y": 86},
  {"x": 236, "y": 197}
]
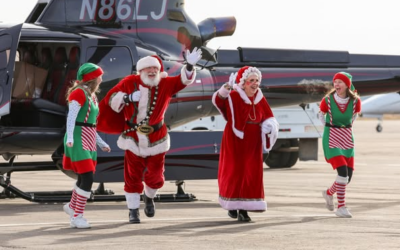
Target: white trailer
[{"x": 299, "y": 130}]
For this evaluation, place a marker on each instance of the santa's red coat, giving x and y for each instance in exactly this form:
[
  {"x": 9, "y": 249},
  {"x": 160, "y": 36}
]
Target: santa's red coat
[{"x": 114, "y": 112}]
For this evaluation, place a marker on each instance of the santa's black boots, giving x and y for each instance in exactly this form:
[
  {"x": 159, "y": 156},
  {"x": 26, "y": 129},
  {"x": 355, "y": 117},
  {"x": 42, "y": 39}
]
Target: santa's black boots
[
  {"x": 134, "y": 216},
  {"x": 243, "y": 216},
  {"x": 149, "y": 208}
]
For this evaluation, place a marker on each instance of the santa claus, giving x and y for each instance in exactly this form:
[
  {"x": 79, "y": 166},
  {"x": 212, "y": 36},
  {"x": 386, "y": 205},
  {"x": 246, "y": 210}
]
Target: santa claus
[{"x": 135, "y": 108}]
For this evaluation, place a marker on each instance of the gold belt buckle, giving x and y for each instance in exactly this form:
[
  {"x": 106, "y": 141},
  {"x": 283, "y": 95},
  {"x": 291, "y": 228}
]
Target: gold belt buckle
[{"x": 145, "y": 129}]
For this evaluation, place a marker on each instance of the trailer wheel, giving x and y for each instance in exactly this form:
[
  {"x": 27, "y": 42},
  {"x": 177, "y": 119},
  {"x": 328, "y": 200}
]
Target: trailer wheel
[
  {"x": 294, "y": 156},
  {"x": 379, "y": 128},
  {"x": 277, "y": 159}
]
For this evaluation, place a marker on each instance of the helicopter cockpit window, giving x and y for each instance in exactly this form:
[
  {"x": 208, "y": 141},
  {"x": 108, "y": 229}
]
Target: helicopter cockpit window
[
  {"x": 115, "y": 61},
  {"x": 174, "y": 15}
]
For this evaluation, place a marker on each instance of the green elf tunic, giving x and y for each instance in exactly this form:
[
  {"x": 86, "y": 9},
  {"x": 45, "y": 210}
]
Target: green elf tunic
[
  {"x": 338, "y": 139},
  {"x": 82, "y": 156}
]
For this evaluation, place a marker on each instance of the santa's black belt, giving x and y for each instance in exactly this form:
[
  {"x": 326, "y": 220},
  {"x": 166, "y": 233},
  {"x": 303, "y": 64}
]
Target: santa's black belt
[
  {"x": 250, "y": 122},
  {"x": 145, "y": 129},
  {"x": 84, "y": 124},
  {"x": 336, "y": 126}
]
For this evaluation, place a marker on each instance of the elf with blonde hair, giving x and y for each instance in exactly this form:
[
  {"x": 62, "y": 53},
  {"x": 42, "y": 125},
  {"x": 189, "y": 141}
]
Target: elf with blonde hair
[
  {"x": 338, "y": 110},
  {"x": 80, "y": 152}
]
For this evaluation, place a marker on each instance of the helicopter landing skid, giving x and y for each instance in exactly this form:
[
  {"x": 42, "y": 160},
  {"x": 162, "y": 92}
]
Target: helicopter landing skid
[{"x": 100, "y": 194}]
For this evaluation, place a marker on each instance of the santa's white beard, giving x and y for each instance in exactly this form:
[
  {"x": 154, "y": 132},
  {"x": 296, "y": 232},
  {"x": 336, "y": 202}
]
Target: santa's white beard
[{"x": 150, "y": 82}]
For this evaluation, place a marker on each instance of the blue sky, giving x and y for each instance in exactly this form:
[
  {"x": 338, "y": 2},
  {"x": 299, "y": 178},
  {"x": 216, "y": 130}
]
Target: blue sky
[{"x": 368, "y": 26}]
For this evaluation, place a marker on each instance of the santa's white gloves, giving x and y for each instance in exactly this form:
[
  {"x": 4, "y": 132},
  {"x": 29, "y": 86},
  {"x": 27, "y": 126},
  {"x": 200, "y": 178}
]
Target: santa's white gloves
[
  {"x": 134, "y": 96},
  {"x": 193, "y": 57},
  {"x": 266, "y": 127}
]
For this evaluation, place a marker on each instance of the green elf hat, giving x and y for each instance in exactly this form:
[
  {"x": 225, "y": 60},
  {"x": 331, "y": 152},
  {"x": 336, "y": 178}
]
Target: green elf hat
[
  {"x": 88, "y": 71},
  {"x": 346, "y": 78}
]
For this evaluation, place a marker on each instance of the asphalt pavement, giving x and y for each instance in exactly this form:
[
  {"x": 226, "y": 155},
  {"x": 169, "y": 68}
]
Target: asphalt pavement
[{"x": 296, "y": 217}]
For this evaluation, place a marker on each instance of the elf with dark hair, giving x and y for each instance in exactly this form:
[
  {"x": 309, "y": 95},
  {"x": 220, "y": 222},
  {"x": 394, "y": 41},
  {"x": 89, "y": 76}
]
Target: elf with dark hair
[
  {"x": 338, "y": 111},
  {"x": 80, "y": 152}
]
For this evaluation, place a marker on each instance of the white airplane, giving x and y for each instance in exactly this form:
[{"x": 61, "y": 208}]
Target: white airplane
[{"x": 379, "y": 105}]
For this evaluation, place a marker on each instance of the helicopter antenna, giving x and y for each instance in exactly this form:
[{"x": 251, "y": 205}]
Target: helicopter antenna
[
  {"x": 184, "y": 57},
  {"x": 210, "y": 58}
]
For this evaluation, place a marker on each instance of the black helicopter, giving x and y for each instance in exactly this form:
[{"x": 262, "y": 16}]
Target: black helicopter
[{"x": 59, "y": 35}]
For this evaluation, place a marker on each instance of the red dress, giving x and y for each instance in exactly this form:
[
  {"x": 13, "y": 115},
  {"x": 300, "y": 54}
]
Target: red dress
[{"x": 240, "y": 175}]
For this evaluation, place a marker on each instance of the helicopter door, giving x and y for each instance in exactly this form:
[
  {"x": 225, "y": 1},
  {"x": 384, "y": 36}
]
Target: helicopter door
[{"x": 9, "y": 39}]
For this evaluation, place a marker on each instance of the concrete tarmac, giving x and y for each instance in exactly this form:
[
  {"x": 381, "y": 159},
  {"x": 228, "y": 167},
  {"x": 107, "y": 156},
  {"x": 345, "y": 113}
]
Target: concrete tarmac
[{"x": 296, "y": 217}]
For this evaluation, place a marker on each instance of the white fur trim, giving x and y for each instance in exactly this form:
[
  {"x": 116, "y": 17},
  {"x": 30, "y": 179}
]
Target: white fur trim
[
  {"x": 247, "y": 73},
  {"x": 273, "y": 136},
  {"x": 259, "y": 96},
  {"x": 342, "y": 180},
  {"x": 147, "y": 61},
  {"x": 83, "y": 193},
  {"x": 250, "y": 205},
  {"x": 238, "y": 133},
  {"x": 163, "y": 74},
  {"x": 143, "y": 102},
  {"x": 132, "y": 200},
  {"x": 117, "y": 102},
  {"x": 214, "y": 96},
  {"x": 244, "y": 96},
  {"x": 184, "y": 77},
  {"x": 150, "y": 192},
  {"x": 143, "y": 150}
]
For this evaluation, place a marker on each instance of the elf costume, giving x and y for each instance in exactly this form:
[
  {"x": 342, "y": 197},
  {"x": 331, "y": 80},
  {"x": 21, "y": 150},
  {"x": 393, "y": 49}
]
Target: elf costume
[
  {"x": 338, "y": 140},
  {"x": 240, "y": 174},
  {"x": 81, "y": 132},
  {"x": 338, "y": 115}
]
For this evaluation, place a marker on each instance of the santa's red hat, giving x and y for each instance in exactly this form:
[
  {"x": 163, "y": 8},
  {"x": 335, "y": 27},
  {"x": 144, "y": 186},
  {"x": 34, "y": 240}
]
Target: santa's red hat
[
  {"x": 245, "y": 72},
  {"x": 151, "y": 61}
]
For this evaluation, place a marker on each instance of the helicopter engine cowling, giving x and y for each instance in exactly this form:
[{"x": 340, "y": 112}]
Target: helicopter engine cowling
[{"x": 216, "y": 27}]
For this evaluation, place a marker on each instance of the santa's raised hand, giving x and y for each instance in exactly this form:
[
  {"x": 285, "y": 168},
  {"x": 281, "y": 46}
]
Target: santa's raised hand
[{"x": 193, "y": 57}]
